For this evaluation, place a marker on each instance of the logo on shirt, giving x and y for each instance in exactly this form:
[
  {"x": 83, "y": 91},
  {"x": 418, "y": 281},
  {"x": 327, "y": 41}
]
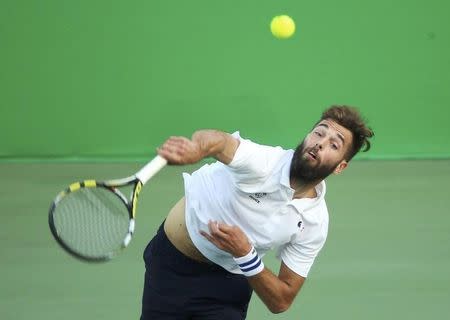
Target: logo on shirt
[{"x": 257, "y": 196}]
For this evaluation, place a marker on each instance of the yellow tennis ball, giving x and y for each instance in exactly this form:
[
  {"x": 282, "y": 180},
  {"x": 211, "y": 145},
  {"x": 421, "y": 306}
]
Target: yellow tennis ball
[{"x": 282, "y": 27}]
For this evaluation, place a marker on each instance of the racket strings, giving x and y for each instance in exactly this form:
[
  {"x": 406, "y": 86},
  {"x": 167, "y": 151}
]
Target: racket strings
[{"x": 93, "y": 222}]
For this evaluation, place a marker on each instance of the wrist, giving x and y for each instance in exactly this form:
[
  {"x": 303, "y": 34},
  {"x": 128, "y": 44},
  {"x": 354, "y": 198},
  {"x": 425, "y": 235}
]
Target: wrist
[
  {"x": 250, "y": 264},
  {"x": 243, "y": 251}
]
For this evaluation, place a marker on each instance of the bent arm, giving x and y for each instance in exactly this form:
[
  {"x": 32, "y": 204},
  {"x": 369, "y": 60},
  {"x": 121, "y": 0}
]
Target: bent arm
[
  {"x": 204, "y": 143},
  {"x": 277, "y": 292},
  {"x": 217, "y": 144}
]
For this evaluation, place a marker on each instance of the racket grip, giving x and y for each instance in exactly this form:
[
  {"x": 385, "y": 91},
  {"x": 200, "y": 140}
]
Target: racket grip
[{"x": 151, "y": 168}]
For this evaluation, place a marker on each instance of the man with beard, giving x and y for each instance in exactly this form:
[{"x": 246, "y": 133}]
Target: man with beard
[{"x": 205, "y": 260}]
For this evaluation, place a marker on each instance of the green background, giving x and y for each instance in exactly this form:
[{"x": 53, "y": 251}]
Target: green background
[
  {"x": 87, "y": 81},
  {"x": 91, "y": 79}
]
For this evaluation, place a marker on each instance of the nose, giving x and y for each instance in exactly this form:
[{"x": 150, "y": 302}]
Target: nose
[{"x": 319, "y": 146}]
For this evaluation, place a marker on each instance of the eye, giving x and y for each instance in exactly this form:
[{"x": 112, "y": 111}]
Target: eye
[
  {"x": 318, "y": 133},
  {"x": 334, "y": 146}
]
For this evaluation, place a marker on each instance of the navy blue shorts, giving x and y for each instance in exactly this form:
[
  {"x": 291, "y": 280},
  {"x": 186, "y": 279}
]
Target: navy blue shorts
[{"x": 177, "y": 287}]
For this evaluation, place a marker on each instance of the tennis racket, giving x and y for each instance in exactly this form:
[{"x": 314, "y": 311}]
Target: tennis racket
[{"x": 93, "y": 220}]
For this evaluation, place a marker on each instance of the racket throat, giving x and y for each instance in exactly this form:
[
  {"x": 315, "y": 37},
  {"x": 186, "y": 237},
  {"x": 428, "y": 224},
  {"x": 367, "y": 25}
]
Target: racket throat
[{"x": 129, "y": 235}]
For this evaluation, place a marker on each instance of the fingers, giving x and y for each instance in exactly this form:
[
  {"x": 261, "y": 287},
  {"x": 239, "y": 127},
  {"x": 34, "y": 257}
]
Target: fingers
[
  {"x": 216, "y": 230},
  {"x": 170, "y": 156},
  {"x": 213, "y": 240},
  {"x": 225, "y": 228},
  {"x": 176, "y": 150},
  {"x": 174, "y": 145},
  {"x": 228, "y": 238},
  {"x": 216, "y": 236}
]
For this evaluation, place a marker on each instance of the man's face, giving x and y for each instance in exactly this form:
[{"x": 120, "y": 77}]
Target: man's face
[{"x": 321, "y": 152}]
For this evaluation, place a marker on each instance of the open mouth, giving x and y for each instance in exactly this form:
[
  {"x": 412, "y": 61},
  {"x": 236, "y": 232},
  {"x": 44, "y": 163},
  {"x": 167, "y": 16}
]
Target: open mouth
[{"x": 313, "y": 155}]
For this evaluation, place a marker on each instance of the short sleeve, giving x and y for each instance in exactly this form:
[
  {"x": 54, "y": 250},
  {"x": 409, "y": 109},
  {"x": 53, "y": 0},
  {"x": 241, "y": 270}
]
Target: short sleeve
[
  {"x": 300, "y": 253},
  {"x": 253, "y": 162}
]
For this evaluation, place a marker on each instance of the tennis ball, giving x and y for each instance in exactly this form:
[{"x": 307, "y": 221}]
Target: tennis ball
[{"x": 282, "y": 27}]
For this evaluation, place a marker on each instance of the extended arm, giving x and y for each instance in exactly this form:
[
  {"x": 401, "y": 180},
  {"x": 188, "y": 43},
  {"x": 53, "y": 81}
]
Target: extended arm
[{"x": 204, "y": 143}]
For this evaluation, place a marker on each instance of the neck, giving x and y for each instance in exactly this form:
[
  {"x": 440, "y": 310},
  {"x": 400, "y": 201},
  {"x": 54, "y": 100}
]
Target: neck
[{"x": 303, "y": 189}]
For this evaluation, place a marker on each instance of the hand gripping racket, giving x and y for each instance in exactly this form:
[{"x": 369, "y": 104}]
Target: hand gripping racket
[{"x": 93, "y": 220}]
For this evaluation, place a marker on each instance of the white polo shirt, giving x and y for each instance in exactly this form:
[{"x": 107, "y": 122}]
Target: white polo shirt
[{"x": 253, "y": 192}]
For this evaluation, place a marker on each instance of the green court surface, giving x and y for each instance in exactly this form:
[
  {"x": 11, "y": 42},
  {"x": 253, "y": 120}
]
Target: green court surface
[{"x": 387, "y": 254}]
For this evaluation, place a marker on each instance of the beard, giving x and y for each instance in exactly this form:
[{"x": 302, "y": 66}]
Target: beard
[{"x": 307, "y": 171}]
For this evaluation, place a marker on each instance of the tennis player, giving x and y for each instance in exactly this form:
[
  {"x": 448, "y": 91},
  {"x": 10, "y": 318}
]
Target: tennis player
[{"x": 206, "y": 258}]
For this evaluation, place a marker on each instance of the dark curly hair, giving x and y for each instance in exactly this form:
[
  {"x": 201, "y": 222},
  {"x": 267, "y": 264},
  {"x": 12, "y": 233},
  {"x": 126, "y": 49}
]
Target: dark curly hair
[{"x": 351, "y": 119}]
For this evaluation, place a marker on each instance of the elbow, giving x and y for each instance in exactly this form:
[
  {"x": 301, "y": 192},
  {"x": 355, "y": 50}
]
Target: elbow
[{"x": 279, "y": 307}]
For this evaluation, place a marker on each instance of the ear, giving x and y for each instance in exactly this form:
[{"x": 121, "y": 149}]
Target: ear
[{"x": 340, "y": 167}]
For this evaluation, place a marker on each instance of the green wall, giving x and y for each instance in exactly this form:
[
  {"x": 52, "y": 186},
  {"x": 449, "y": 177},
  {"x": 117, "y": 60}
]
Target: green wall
[{"x": 111, "y": 79}]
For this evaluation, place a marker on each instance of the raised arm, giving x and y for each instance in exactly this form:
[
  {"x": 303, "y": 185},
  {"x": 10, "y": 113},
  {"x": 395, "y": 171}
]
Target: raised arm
[{"x": 204, "y": 143}]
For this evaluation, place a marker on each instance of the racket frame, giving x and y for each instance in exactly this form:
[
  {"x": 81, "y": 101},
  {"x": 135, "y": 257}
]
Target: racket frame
[
  {"x": 111, "y": 186},
  {"x": 138, "y": 179}
]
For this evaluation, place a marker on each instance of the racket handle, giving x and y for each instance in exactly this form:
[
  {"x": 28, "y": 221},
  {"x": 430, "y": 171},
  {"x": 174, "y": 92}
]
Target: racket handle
[{"x": 151, "y": 168}]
